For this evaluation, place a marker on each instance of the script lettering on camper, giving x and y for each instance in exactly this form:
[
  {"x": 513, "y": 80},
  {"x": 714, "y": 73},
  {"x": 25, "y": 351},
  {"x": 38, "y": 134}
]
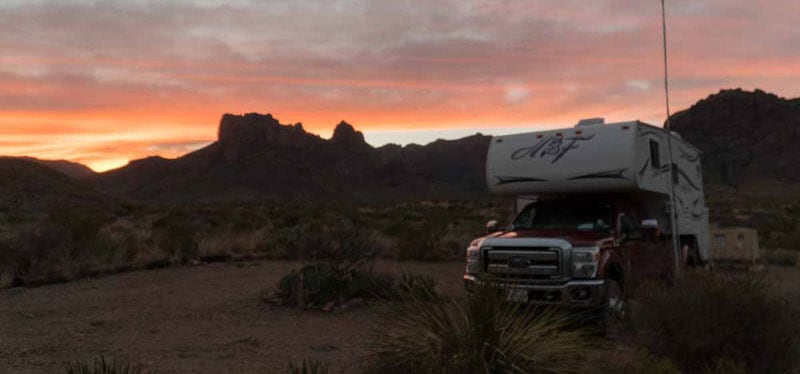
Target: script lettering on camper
[{"x": 551, "y": 146}]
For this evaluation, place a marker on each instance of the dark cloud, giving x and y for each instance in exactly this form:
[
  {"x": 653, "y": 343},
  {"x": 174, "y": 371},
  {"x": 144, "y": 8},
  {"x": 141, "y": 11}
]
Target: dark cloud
[{"x": 383, "y": 64}]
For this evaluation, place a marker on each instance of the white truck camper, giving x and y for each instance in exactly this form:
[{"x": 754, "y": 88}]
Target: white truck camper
[
  {"x": 594, "y": 157},
  {"x": 593, "y": 213}
]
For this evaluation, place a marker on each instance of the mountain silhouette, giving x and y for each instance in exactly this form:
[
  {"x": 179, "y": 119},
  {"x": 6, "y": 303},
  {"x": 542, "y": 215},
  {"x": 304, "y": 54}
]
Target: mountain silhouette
[
  {"x": 29, "y": 187},
  {"x": 71, "y": 169},
  {"x": 257, "y": 158},
  {"x": 744, "y": 136}
]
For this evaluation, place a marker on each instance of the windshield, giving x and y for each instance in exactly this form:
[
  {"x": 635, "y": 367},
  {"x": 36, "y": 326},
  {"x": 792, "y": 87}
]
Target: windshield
[{"x": 565, "y": 214}]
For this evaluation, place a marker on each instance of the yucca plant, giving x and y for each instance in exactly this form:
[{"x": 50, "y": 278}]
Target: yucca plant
[
  {"x": 388, "y": 287},
  {"x": 102, "y": 366},
  {"x": 309, "y": 367},
  {"x": 484, "y": 334}
]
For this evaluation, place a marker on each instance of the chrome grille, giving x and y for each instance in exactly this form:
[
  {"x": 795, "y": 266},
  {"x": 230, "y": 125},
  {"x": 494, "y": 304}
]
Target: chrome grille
[{"x": 522, "y": 264}]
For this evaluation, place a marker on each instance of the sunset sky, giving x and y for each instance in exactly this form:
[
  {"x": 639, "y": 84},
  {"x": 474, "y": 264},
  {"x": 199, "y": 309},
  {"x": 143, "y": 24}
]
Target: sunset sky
[{"x": 103, "y": 82}]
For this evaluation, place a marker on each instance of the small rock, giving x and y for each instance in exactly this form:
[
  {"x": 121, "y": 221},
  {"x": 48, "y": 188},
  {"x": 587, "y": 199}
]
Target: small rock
[
  {"x": 97, "y": 323},
  {"x": 324, "y": 348}
]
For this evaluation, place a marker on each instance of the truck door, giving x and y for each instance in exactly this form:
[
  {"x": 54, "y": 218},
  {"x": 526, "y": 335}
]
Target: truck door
[{"x": 646, "y": 257}]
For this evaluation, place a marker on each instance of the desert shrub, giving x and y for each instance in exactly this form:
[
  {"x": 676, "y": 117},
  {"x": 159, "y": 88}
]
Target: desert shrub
[
  {"x": 177, "y": 234},
  {"x": 344, "y": 248},
  {"x": 309, "y": 367},
  {"x": 229, "y": 242},
  {"x": 423, "y": 243},
  {"x": 126, "y": 241},
  {"x": 658, "y": 366},
  {"x": 791, "y": 239},
  {"x": 726, "y": 366},
  {"x": 661, "y": 365},
  {"x": 388, "y": 287},
  {"x": 102, "y": 366},
  {"x": 318, "y": 284},
  {"x": 484, "y": 334},
  {"x": 32, "y": 242},
  {"x": 783, "y": 257},
  {"x": 177, "y": 240},
  {"x": 412, "y": 286},
  {"x": 708, "y": 318},
  {"x": 337, "y": 264},
  {"x": 39, "y": 247},
  {"x": 286, "y": 243}
]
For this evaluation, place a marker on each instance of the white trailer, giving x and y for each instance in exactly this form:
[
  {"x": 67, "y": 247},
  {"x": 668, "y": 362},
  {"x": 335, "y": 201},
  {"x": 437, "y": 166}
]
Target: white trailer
[{"x": 594, "y": 157}]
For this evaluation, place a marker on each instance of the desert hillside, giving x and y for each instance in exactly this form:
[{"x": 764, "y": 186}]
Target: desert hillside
[
  {"x": 746, "y": 137},
  {"x": 255, "y": 158}
]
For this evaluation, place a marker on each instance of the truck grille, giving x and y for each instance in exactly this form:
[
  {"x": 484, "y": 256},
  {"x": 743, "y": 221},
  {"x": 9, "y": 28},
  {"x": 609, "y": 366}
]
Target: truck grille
[{"x": 519, "y": 265}]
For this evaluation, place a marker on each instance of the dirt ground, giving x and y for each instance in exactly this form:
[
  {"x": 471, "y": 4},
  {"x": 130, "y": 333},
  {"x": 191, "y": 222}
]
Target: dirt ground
[{"x": 205, "y": 319}]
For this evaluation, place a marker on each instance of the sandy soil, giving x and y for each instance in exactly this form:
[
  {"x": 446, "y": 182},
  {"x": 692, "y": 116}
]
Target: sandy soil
[{"x": 206, "y": 319}]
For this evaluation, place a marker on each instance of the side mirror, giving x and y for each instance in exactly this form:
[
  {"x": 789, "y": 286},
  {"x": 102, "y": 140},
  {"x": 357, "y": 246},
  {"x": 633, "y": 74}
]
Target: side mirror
[
  {"x": 650, "y": 224},
  {"x": 650, "y": 228},
  {"x": 493, "y": 226}
]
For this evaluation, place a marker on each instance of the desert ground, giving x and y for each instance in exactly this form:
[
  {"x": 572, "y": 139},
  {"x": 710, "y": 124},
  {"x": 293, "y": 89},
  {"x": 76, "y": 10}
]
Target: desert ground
[{"x": 202, "y": 319}]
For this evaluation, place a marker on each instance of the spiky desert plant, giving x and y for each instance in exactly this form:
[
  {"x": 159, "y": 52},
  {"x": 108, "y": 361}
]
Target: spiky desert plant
[
  {"x": 309, "y": 367},
  {"x": 102, "y": 366},
  {"x": 483, "y": 334}
]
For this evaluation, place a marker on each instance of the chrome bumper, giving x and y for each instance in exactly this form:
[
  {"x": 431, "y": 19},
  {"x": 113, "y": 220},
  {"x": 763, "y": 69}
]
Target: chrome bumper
[{"x": 577, "y": 293}]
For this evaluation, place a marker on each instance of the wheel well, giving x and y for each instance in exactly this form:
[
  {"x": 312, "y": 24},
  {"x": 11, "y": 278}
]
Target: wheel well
[
  {"x": 615, "y": 272},
  {"x": 693, "y": 257}
]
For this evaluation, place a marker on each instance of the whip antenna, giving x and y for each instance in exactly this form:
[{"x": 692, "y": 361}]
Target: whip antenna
[{"x": 673, "y": 210}]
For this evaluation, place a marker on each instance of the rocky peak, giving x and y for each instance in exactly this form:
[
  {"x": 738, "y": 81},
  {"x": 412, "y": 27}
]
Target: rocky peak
[
  {"x": 243, "y": 135},
  {"x": 345, "y": 134}
]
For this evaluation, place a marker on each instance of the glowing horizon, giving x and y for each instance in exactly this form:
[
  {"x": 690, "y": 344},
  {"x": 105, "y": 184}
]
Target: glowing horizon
[{"x": 104, "y": 83}]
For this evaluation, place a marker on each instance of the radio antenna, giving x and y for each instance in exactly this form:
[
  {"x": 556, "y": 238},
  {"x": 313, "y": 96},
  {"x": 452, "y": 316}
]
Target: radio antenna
[{"x": 673, "y": 172}]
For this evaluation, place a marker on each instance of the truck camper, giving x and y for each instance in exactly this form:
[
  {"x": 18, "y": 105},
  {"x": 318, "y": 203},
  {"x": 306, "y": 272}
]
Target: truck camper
[{"x": 593, "y": 213}]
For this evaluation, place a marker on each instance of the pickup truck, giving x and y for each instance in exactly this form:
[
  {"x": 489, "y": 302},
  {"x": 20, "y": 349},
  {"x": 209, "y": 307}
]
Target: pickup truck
[{"x": 592, "y": 215}]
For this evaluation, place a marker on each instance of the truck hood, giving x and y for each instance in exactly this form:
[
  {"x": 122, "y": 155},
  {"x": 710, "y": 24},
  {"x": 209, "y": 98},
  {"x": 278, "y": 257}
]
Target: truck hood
[{"x": 574, "y": 237}]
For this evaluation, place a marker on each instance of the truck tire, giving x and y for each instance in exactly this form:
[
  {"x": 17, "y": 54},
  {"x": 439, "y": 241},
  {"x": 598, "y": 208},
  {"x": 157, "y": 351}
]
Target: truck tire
[{"x": 614, "y": 310}]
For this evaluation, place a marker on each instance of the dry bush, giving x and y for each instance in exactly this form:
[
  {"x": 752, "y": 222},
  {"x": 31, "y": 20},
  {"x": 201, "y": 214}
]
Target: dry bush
[
  {"x": 102, "y": 366},
  {"x": 782, "y": 257},
  {"x": 396, "y": 287},
  {"x": 309, "y": 367},
  {"x": 484, "y": 334},
  {"x": 126, "y": 238},
  {"x": 337, "y": 263},
  {"x": 707, "y": 318},
  {"x": 424, "y": 243},
  {"x": 228, "y": 243},
  {"x": 42, "y": 248}
]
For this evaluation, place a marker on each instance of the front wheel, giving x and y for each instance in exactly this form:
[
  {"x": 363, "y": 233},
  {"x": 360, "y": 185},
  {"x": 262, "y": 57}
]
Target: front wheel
[{"x": 614, "y": 310}]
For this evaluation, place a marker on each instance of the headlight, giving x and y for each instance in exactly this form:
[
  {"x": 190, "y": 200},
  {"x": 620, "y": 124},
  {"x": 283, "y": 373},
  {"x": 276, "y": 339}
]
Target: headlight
[
  {"x": 585, "y": 262},
  {"x": 473, "y": 260}
]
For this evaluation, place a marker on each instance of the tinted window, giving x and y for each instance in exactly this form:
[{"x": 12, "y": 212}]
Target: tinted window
[
  {"x": 569, "y": 214},
  {"x": 655, "y": 158}
]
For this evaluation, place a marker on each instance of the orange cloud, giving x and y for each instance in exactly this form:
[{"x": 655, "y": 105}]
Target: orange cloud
[{"x": 103, "y": 83}]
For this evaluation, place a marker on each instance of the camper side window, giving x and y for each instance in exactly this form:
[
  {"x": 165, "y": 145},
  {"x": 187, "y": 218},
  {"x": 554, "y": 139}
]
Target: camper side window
[{"x": 655, "y": 158}]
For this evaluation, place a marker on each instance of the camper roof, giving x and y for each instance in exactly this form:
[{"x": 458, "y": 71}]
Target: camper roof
[{"x": 586, "y": 158}]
